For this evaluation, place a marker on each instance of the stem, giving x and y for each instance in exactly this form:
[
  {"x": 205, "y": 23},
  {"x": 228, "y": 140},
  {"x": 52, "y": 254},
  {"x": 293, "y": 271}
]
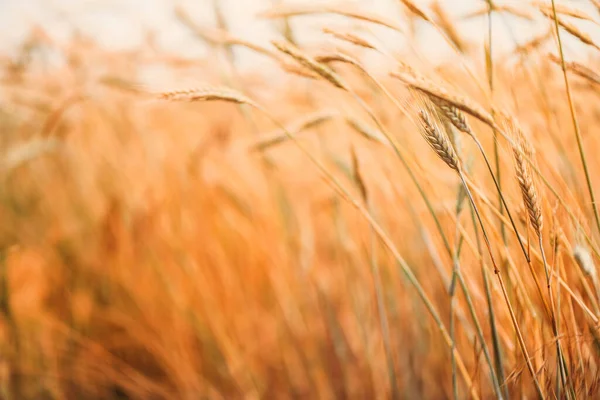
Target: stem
[
  {"x": 471, "y": 307},
  {"x": 489, "y": 54},
  {"x": 559, "y": 354},
  {"x": 504, "y": 292},
  {"x": 457, "y": 275},
  {"x": 501, "y": 206},
  {"x": 395, "y": 147},
  {"x": 411, "y": 174},
  {"x": 439, "y": 227},
  {"x": 382, "y": 311},
  {"x": 491, "y": 314},
  {"x": 453, "y": 337},
  {"x": 574, "y": 119},
  {"x": 501, "y": 196},
  {"x": 404, "y": 267},
  {"x": 452, "y": 292}
]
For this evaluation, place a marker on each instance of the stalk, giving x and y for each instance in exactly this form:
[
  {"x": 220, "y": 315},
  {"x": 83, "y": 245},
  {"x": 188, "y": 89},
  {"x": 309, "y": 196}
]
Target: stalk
[
  {"x": 504, "y": 292},
  {"x": 378, "y": 230},
  {"x": 574, "y": 120}
]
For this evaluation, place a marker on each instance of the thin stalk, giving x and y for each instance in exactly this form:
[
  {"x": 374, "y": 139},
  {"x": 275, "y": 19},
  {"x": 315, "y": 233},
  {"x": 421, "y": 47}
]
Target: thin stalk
[
  {"x": 404, "y": 267},
  {"x": 437, "y": 222},
  {"x": 574, "y": 120},
  {"x": 535, "y": 169},
  {"x": 451, "y": 293},
  {"x": 490, "y": 63},
  {"x": 430, "y": 208},
  {"x": 231, "y": 79},
  {"x": 492, "y": 208},
  {"x": 554, "y": 192},
  {"x": 504, "y": 292},
  {"x": 491, "y": 314},
  {"x": 558, "y": 303},
  {"x": 561, "y": 361},
  {"x": 395, "y": 147},
  {"x": 402, "y": 158},
  {"x": 286, "y": 28},
  {"x": 494, "y": 329},
  {"x": 498, "y": 183},
  {"x": 577, "y": 334},
  {"x": 501, "y": 216},
  {"x": 457, "y": 276},
  {"x": 495, "y": 376},
  {"x": 500, "y": 195},
  {"x": 453, "y": 338},
  {"x": 382, "y": 311}
]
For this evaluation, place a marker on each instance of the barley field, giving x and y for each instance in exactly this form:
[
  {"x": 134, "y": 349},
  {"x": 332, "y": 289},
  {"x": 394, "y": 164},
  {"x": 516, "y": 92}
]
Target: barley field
[{"x": 348, "y": 219}]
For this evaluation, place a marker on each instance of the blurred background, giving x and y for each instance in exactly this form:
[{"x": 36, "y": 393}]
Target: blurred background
[{"x": 124, "y": 24}]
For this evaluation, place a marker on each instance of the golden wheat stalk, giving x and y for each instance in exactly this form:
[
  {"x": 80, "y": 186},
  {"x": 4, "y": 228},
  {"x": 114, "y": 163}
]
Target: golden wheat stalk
[
  {"x": 416, "y": 10},
  {"x": 533, "y": 43},
  {"x": 329, "y": 58},
  {"x": 206, "y": 93},
  {"x": 572, "y": 29},
  {"x": 578, "y": 69},
  {"x": 528, "y": 188},
  {"x": 350, "y": 38},
  {"x": 299, "y": 70},
  {"x": 501, "y": 8},
  {"x": 230, "y": 95},
  {"x": 438, "y": 140},
  {"x": 347, "y": 10},
  {"x": 225, "y": 38},
  {"x": 453, "y": 114},
  {"x": 366, "y": 131},
  {"x": 565, "y": 10},
  {"x": 268, "y": 140},
  {"x": 441, "y": 145},
  {"x": 309, "y": 63},
  {"x": 444, "y": 21},
  {"x": 426, "y": 86},
  {"x": 459, "y": 121}
]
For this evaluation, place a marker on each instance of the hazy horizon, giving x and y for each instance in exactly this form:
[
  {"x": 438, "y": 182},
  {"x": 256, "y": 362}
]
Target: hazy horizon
[{"x": 122, "y": 24}]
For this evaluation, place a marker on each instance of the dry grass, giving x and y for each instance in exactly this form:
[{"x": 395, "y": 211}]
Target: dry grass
[{"x": 271, "y": 236}]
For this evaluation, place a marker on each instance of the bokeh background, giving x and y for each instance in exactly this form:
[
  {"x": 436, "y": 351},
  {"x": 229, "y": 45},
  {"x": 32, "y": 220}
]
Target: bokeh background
[{"x": 124, "y": 24}]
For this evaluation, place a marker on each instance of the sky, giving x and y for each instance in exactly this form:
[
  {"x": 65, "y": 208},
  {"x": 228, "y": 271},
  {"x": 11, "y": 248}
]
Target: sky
[{"x": 120, "y": 24}]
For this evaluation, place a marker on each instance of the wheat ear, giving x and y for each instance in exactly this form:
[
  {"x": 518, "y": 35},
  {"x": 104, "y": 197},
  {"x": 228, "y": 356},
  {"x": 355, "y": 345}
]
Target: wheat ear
[
  {"x": 310, "y": 63},
  {"x": 438, "y": 141},
  {"x": 441, "y": 146},
  {"x": 528, "y": 190}
]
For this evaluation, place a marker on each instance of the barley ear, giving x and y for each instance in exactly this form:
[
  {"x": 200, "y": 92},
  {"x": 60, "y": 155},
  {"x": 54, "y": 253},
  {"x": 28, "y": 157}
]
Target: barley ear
[
  {"x": 310, "y": 63},
  {"x": 438, "y": 140},
  {"x": 528, "y": 188}
]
